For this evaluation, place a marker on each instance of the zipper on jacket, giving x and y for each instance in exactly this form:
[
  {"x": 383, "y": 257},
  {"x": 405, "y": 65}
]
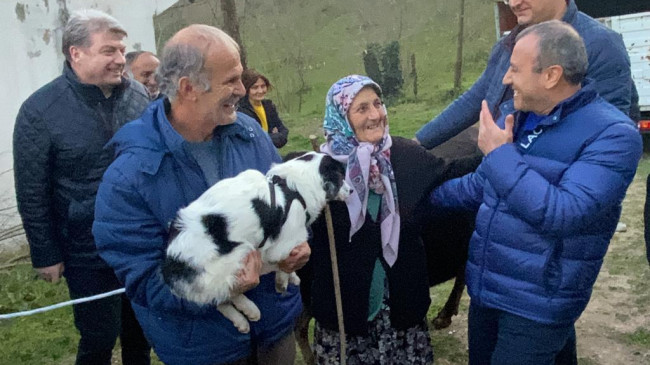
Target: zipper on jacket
[
  {"x": 220, "y": 155},
  {"x": 485, "y": 244}
]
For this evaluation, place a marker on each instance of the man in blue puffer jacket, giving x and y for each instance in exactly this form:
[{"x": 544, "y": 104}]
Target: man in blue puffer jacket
[
  {"x": 166, "y": 159},
  {"x": 548, "y": 193},
  {"x": 609, "y": 68}
]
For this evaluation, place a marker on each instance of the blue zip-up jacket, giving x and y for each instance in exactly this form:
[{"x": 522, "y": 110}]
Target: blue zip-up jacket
[
  {"x": 609, "y": 68},
  {"x": 150, "y": 180},
  {"x": 547, "y": 205}
]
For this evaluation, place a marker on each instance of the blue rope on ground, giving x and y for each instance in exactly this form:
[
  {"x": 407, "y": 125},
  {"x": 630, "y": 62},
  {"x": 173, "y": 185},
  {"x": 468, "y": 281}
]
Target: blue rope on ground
[{"x": 60, "y": 305}]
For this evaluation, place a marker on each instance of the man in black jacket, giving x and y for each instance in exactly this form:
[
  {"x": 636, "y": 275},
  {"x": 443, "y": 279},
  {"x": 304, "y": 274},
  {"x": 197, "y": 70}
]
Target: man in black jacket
[
  {"x": 59, "y": 161},
  {"x": 141, "y": 66}
]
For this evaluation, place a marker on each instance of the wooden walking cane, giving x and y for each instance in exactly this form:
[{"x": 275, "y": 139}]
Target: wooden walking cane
[{"x": 335, "y": 267}]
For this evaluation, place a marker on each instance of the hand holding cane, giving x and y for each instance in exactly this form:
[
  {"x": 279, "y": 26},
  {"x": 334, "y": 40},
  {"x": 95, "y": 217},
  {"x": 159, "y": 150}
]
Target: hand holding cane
[{"x": 335, "y": 267}]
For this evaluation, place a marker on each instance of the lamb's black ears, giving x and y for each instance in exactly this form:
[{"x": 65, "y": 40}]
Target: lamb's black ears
[
  {"x": 173, "y": 231},
  {"x": 277, "y": 180},
  {"x": 331, "y": 190}
]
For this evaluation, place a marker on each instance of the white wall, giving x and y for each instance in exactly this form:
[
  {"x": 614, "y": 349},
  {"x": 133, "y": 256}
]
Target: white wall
[{"x": 31, "y": 33}]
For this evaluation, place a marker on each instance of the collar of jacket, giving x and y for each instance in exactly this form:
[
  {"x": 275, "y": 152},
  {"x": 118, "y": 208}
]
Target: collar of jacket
[
  {"x": 174, "y": 142},
  {"x": 567, "y": 106},
  {"x": 92, "y": 93},
  {"x": 245, "y": 105},
  {"x": 571, "y": 12}
]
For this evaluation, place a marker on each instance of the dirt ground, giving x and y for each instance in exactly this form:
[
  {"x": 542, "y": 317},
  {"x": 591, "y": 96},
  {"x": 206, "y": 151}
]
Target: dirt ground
[{"x": 619, "y": 306}]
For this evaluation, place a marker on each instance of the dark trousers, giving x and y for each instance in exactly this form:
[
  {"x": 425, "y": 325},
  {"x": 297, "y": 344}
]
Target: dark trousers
[
  {"x": 100, "y": 322},
  {"x": 498, "y": 337},
  {"x": 282, "y": 352}
]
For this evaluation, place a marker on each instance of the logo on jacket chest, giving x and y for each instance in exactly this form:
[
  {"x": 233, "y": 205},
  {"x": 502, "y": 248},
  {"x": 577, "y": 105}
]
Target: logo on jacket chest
[{"x": 528, "y": 140}]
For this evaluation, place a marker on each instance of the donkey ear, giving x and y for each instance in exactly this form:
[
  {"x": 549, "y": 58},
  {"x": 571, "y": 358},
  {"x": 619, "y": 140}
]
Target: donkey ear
[{"x": 331, "y": 190}]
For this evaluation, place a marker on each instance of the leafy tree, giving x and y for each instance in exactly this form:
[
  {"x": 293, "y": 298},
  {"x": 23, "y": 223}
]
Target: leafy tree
[
  {"x": 371, "y": 62},
  {"x": 392, "y": 70},
  {"x": 389, "y": 74}
]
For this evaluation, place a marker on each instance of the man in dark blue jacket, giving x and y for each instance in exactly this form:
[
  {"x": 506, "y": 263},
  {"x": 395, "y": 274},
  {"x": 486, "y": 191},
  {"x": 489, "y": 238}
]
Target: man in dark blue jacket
[
  {"x": 59, "y": 160},
  {"x": 141, "y": 66},
  {"x": 182, "y": 145},
  {"x": 548, "y": 194},
  {"x": 609, "y": 68}
]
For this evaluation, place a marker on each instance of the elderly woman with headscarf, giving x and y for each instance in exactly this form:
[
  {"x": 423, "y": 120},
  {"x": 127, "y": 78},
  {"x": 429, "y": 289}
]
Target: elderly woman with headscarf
[{"x": 381, "y": 256}]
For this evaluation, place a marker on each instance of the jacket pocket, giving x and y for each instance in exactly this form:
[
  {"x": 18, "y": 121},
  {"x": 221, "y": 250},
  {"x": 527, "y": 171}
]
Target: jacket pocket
[
  {"x": 553, "y": 267},
  {"x": 80, "y": 220}
]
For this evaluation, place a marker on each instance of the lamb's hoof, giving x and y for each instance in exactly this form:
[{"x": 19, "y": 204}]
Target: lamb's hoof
[
  {"x": 253, "y": 314},
  {"x": 294, "y": 279},
  {"x": 281, "y": 287},
  {"x": 441, "y": 322},
  {"x": 242, "y": 326}
]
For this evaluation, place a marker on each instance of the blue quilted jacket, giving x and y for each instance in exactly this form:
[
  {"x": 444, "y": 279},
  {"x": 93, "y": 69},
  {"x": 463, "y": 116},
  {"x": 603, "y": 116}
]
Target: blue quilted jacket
[
  {"x": 609, "y": 68},
  {"x": 547, "y": 205},
  {"x": 150, "y": 180}
]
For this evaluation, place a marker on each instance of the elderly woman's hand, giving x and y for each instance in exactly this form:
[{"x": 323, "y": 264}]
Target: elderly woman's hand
[{"x": 297, "y": 258}]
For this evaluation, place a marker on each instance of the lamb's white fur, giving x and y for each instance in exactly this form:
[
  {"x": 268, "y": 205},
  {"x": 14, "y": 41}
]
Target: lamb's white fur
[{"x": 232, "y": 198}]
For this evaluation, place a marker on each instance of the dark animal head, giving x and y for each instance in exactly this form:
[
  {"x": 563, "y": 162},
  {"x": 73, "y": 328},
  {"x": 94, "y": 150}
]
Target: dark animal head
[
  {"x": 312, "y": 174},
  {"x": 333, "y": 174}
]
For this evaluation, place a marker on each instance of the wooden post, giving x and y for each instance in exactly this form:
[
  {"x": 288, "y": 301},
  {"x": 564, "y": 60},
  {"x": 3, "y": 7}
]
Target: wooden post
[
  {"x": 458, "y": 74},
  {"x": 335, "y": 268}
]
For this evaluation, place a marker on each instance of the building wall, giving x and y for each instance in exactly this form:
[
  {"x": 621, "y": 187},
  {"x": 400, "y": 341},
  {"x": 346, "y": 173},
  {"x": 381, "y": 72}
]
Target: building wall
[{"x": 31, "y": 33}]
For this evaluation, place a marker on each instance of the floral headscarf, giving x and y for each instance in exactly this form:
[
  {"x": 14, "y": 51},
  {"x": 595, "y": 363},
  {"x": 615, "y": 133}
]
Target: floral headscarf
[{"x": 368, "y": 165}]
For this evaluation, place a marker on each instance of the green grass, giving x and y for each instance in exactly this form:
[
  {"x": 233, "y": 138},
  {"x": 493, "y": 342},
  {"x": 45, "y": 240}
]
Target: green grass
[
  {"x": 50, "y": 338},
  {"x": 446, "y": 346},
  {"x": 640, "y": 337},
  {"x": 47, "y": 338}
]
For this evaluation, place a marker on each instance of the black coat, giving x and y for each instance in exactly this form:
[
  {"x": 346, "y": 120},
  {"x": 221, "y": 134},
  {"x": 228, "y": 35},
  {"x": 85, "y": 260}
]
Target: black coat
[
  {"x": 272, "y": 118},
  {"x": 59, "y": 161},
  {"x": 417, "y": 172}
]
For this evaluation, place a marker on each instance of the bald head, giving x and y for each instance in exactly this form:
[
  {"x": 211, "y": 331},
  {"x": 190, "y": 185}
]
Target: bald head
[
  {"x": 142, "y": 66},
  {"x": 185, "y": 55},
  {"x": 201, "y": 72},
  {"x": 204, "y": 38}
]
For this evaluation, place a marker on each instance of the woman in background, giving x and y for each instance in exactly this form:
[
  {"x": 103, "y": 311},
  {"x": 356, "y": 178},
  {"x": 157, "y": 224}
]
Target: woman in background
[{"x": 260, "y": 109}]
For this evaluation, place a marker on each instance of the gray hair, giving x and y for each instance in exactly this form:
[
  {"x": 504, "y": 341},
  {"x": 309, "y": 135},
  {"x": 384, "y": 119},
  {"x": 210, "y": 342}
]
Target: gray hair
[
  {"x": 184, "y": 59},
  {"x": 130, "y": 57},
  {"x": 560, "y": 44},
  {"x": 83, "y": 24},
  {"x": 181, "y": 60}
]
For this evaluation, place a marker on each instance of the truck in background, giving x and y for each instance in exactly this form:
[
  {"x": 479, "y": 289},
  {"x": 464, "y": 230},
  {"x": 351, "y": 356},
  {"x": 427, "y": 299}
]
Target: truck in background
[
  {"x": 635, "y": 29},
  {"x": 631, "y": 19}
]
